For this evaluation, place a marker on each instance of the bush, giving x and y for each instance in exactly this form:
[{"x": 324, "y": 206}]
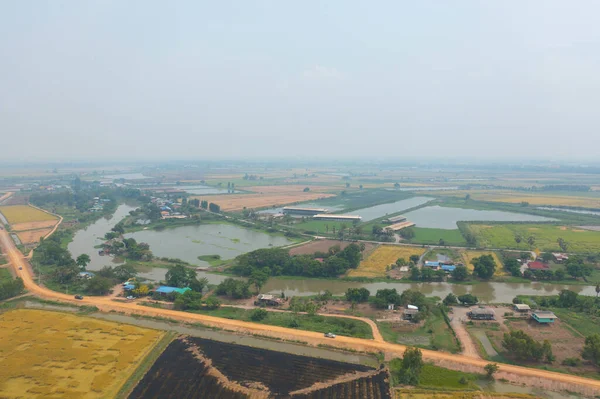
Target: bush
[
  {"x": 258, "y": 314},
  {"x": 572, "y": 361}
]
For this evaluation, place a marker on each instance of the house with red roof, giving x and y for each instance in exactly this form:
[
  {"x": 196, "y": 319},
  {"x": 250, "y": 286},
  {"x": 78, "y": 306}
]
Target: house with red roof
[{"x": 537, "y": 266}]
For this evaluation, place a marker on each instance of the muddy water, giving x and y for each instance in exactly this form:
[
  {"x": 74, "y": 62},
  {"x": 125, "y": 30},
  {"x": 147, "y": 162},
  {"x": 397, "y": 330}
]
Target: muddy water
[
  {"x": 486, "y": 292},
  {"x": 85, "y": 239}
]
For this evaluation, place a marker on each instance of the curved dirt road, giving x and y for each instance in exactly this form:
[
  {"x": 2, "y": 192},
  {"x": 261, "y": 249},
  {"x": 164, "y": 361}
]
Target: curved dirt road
[{"x": 585, "y": 385}]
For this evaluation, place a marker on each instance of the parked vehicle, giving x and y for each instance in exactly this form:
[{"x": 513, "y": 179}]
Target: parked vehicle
[
  {"x": 78, "y": 297},
  {"x": 330, "y": 335},
  {"x": 130, "y": 297}
]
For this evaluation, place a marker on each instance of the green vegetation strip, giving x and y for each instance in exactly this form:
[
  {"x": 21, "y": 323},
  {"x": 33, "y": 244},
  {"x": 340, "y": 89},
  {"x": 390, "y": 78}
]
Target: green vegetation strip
[
  {"x": 323, "y": 324},
  {"x": 433, "y": 236},
  {"x": 145, "y": 365},
  {"x": 437, "y": 377}
]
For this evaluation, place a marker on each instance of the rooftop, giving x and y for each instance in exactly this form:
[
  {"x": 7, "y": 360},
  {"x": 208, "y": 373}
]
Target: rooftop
[
  {"x": 544, "y": 314},
  {"x": 522, "y": 306},
  {"x": 163, "y": 289},
  {"x": 296, "y": 208},
  {"x": 482, "y": 311},
  {"x": 331, "y": 216},
  {"x": 537, "y": 265}
]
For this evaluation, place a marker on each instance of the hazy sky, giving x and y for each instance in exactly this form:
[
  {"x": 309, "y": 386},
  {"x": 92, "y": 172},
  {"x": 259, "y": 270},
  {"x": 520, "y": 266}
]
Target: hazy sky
[{"x": 222, "y": 79}]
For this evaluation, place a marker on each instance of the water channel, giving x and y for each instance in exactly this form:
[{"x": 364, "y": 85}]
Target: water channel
[{"x": 85, "y": 240}]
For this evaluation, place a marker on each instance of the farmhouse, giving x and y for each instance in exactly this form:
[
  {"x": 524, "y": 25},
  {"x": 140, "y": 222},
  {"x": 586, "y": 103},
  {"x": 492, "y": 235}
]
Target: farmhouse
[
  {"x": 409, "y": 314},
  {"x": 521, "y": 308},
  {"x": 448, "y": 268},
  {"x": 268, "y": 300},
  {"x": 395, "y": 219},
  {"x": 292, "y": 210},
  {"x": 85, "y": 275},
  {"x": 400, "y": 225},
  {"x": 338, "y": 218},
  {"x": 560, "y": 257},
  {"x": 543, "y": 316},
  {"x": 481, "y": 314},
  {"x": 434, "y": 265},
  {"x": 537, "y": 266}
]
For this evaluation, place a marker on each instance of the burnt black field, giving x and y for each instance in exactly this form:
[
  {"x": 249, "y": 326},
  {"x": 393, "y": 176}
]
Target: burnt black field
[{"x": 179, "y": 374}]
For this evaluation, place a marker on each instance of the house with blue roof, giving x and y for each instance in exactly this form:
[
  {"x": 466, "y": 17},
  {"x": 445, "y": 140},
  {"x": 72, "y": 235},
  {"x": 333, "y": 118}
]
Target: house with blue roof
[{"x": 431, "y": 264}]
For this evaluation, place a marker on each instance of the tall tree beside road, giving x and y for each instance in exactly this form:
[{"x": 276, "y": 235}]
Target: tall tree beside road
[{"x": 412, "y": 365}]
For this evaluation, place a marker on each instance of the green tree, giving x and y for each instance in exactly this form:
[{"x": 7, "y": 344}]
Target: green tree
[
  {"x": 306, "y": 189},
  {"x": 124, "y": 272},
  {"x": 450, "y": 300},
  {"x": 460, "y": 273},
  {"x": 597, "y": 290},
  {"x": 577, "y": 268},
  {"x": 531, "y": 241},
  {"x": 212, "y": 302},
  {"x": 513, "y": 267},
  {"x": 491, "y": 369},
  {"x": 258, "y": 314},
  {"x": 357, "y": 295},
  {"x": 98, "y": 285},
  {"x": 412, "y": 365},
  {"x": 118, "y": 228},
  {"x": 82, "y": 261},
  {"x": 484, "y": 266},
  {"x": 198, "y": 285},
  {"x": 524, "y": 347},
  {"x": 415, "y": 259},
  {"x": 258, "y": 278},
  {"x": 415, "y": 273},
  {"x": 401, "y": 262},
  {"x": 180, "y": 276},
  {"x": 468, "y": 299},
  {"x": 567, "y": 299},
  {"x": 591, "y": 349},
  {"x": 407, "y": 234}
]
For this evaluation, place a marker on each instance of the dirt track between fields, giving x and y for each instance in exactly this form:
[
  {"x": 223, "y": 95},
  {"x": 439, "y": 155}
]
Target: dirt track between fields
[{"x": 547, "y": 379}]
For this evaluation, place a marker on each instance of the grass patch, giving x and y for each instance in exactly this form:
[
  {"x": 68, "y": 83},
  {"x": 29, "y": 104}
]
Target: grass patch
[
  {"x": 433, "y": 334},
  {"x": 437, "y": 377},
  {"x": 433, "y": 236},
  {"x": 336, "y": 325},
  {"x": 585, "y": 324},
  {"x": 546, "y": 236},
  {"x": 213, "y": 260}
]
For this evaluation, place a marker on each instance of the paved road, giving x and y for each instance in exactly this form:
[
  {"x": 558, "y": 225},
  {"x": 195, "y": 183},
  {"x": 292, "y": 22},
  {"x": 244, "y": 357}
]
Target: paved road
[{"x": 106, "y": 304}]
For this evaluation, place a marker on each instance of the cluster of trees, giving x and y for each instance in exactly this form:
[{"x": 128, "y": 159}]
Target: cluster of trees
[
  {"x": 575, "y": 267},
  {"x": 524, "y": 347},
  {"x": 192, "y": 300},
  {"x": 128, "y": 248},
  {"x": 277, "y": 261},
  {"x": 181, "y": 277},
  {"x": 466, "y": 299},
  {"x": 381, "y": 234},
  {"x": 10, "y": 288},
  {"x": 357, "y": 295},
  {"x": 591, "y": 349},
  {"x": 300, "y": 304},
  {"x": 426, "y": 274},
  {"x": 387, "y": 296},
  {"x": 484, "y": 267},
  {"x": 214, "y": 208},
  {"x": 233, "y": 288},
  {"x": 51, "y": 254},
  {"x": 574, "y": 302}
]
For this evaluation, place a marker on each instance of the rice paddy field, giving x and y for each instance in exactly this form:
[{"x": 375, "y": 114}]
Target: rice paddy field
[
  {"x": 584, "y": 200},
  {"x": 46, "y": 354},
  {"x": 238, "y": 202},
  {"x": 24, "y": 214},
  {"x": 546, "y": 236},
  {"x": 383, "y": 256},
  {"x": 433, "y": 236},
  {"x": 468, "y": 256}
]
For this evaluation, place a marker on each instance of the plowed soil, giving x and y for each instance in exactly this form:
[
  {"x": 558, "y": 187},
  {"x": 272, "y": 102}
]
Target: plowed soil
[
  {"x": 32, "y": 236},
  {"x": 34, "y": 225}
]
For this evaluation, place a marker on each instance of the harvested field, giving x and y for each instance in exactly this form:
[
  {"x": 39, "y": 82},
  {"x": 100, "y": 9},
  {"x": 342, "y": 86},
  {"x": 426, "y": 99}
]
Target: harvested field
[
  {"x": 24, "y": 214},
  {"x": 468, "y": 256},
  {"x": 34, "y": 225},
  {"x": 32, "y": 236},
  {"x": 375, "y": 264},
  {"x": 286, "y": 189},
  {"x": 237, "y": 202},
  {"x": 49, "y": 355},
  {"x": 200, "y": 368}
]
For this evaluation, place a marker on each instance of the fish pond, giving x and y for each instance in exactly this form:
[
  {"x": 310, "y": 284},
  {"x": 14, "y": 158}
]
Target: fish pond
[
  {"x": 189, "y": 242},
  {"x": 440, "y": 217},
  {"x": 378, "y": 211}
]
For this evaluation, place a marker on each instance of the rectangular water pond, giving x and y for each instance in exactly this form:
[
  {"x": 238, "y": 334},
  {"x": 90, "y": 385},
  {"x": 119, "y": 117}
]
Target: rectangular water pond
[
  {"x": 439, "y": 217},
  {"x": 189, "y": 242},
  {"x": 378, "y": 211}
]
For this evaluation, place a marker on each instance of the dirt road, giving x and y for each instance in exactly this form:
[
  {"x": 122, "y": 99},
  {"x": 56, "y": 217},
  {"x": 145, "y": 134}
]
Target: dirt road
[
  {"x": 376, "y": 333},
  {"x": 513, "y": 373},
  {"x": 5, "y": 196},
  {"x": 457, "y": 321}
]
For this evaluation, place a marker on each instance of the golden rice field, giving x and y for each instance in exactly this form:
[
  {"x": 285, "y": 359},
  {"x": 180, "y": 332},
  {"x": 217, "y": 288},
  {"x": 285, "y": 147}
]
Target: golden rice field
[
  {"x": 468, "y": 256},
  {"x": 24, "y": 214},
  {"x": 375, "y": 264},
  {"x": 56, "y": 355},
  {"x": 532, "y": 198}
]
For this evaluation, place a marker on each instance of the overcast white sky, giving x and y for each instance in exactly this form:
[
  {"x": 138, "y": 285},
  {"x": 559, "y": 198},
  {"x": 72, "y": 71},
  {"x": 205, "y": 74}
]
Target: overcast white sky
[{"x": 225, "y": 79}]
